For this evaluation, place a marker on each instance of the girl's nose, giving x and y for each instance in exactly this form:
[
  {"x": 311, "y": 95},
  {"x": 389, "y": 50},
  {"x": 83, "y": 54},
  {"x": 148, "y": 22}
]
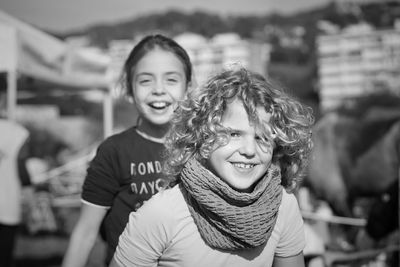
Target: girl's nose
[
  {"x": 248, "y": 146},
  {"x": 158, "y": 88}
]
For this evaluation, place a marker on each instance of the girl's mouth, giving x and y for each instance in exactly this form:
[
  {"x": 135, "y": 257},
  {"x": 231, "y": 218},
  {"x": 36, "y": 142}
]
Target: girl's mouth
[
  {"x": 159, "y": 104},
  {"x": 241, "y": 165}
]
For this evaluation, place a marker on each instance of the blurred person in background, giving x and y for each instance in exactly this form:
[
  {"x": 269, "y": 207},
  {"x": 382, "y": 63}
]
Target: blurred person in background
[
  {"x": 126, "y": 170},
  {"x": 13, "y": 177}
]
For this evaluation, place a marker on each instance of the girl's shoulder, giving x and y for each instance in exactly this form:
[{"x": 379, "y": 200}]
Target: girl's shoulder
[
  {"x": 169, "y": 198},
  {"x": 168, "y": 205},
  {"x": 289, "y": 200},
  {"x": 118, "y": 140},
  {"x": 289, "y": 210}
]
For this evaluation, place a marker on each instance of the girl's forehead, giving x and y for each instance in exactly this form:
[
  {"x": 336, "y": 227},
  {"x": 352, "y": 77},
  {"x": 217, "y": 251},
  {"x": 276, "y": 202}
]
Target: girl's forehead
[
  {"x": 160, "y": 54},
  {"x": 236, "y": 107},
  {"x": 159, "y": 60},
  {"x": 235, "y": 112}
]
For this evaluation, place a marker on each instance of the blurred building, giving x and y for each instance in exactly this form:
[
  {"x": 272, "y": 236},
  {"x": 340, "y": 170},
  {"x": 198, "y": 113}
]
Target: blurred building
[
  {"x": 86, "y": 57},
  {"x": 223, "y": 50},
  {"x": 357, "y": 61}
]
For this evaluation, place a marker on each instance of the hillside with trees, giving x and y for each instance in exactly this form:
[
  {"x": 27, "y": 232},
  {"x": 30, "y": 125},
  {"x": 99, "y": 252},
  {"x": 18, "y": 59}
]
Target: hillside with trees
[{"x": 380, "y": 14}]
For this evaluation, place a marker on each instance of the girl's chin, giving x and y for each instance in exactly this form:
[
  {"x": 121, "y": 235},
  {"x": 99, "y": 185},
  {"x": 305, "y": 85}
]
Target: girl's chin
[
  {"x": 243, "y": 189},
  {"x": 158, "y": 120}
]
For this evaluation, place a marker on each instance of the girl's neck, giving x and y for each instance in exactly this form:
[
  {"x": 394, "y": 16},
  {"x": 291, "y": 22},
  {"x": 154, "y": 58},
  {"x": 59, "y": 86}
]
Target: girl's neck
[{"x": 152, "y": 132}]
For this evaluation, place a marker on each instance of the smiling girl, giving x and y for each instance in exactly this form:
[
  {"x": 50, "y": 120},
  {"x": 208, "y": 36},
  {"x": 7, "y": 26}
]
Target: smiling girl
[
  {"x": 126, "y": 170},
  {"x": 236, "y": 150}
]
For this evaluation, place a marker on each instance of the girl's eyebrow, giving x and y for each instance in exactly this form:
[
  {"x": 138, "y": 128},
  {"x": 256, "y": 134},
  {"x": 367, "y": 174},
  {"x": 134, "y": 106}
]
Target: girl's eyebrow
[
  {"x": 144, "y": 74},
  {"x": 173, "y": 73},
  {"x": 234, "y": 129},
  {"x": 167, "y": 73}
]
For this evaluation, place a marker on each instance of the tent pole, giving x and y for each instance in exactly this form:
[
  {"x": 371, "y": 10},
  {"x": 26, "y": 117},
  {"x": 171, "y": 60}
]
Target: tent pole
[
  {"x": 11, "y": 94},
  {"x": 107, "y": 113}
]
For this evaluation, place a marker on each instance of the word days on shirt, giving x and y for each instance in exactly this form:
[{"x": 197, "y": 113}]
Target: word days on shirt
[{"x": 142, "y": 184}]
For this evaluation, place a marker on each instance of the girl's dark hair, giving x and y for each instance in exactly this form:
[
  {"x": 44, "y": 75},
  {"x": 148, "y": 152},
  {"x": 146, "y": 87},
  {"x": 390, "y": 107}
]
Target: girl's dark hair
[{"x": 148, "y": 44}]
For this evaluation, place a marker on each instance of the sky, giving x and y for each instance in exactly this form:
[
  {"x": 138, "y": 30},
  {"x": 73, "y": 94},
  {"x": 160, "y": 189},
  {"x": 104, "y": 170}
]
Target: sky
[{"x": 67, "y": 15}]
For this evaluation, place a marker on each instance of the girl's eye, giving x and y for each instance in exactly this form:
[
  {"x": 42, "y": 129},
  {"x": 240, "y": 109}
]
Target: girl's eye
[
  {"x": 172, "y": 80},
  {"x": 234, "y": 134},
  {"x": 144, "y": 81}
]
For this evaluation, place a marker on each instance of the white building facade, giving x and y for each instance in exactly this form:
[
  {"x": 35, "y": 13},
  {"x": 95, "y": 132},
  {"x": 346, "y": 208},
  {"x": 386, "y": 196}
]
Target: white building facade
[
  {"x": 357, "y": 61},
  {"x": 209, "y": 56}
]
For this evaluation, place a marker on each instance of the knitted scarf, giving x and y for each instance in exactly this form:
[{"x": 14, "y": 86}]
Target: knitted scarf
[{"x": 228, "y": 219}]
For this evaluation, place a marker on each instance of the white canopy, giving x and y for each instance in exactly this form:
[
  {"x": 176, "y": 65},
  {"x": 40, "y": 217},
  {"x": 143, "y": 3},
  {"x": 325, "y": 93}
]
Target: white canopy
[{"x": 25, "y": 50}]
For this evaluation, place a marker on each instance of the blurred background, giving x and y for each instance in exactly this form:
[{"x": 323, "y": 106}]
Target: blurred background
[{"x": 60, "y": 66}]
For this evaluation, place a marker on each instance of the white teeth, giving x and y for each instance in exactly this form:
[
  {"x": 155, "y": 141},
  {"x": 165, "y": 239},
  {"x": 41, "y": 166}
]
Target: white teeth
[
  {"x": 243, "y": 165},
  {"x": 158, "y": 104}
]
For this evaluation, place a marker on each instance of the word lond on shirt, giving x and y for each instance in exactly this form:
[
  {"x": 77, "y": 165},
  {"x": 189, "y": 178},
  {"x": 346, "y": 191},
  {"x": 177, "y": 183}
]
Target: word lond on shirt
[{"x": 143, "y": 168}]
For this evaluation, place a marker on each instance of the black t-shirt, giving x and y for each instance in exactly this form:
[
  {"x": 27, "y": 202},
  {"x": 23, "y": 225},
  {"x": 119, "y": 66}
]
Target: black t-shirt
[{"x": 125, "y": 172}]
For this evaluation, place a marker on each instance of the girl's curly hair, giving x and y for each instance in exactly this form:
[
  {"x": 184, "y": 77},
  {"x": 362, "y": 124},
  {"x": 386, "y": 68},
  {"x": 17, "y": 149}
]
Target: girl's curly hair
[{"x": 196, "y": 128}]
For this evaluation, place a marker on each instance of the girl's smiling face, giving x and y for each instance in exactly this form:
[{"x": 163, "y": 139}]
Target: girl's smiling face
[
  {"x": 246, "y": 157},
  {"x": 159, "y": 81}
]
